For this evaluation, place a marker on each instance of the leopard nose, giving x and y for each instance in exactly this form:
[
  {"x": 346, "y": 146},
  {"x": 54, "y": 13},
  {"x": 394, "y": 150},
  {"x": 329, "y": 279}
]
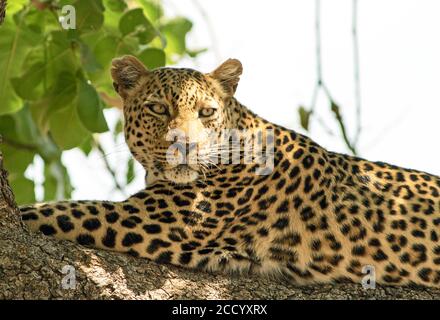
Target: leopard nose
[
  {"x": 185, "y": 130},
  {"x": 182, "y": 153}
]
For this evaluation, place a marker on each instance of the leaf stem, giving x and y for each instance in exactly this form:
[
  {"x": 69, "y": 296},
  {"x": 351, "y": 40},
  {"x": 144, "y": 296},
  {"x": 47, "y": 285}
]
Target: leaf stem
[
  {"x": 18, "y": 145},
  {"x": 109, "y": 168}
]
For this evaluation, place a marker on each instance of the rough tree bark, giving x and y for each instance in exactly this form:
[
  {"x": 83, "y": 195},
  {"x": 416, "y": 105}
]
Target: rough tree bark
[
  {"x": 2, "y": 10},
  {"x": 31, "y": 268}
]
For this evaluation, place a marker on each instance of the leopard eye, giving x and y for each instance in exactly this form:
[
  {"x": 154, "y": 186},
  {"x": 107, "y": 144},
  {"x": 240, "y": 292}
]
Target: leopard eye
[
  {"x": 156, "y": 108},
  {"x": 207, "y": 112}
]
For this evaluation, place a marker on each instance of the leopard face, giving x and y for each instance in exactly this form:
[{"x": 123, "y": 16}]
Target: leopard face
[{"x": 173, "y": 115}]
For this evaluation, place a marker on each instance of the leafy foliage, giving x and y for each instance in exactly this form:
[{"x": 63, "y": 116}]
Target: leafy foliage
[{"x": 55, "y": 83}]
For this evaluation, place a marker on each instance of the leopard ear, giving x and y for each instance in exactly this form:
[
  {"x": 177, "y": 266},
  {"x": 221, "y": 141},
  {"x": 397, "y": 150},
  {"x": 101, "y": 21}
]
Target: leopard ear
[
  {"x": 228, "y": 74},
  {"x": 126, "y": 72}
]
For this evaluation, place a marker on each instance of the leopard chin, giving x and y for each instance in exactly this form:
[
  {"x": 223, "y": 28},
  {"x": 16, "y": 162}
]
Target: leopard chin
[{"x": 181, "y": 174}]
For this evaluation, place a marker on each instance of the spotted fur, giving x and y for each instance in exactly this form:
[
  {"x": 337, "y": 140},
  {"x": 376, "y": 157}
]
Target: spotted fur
[{"x": 319, "y": 216}]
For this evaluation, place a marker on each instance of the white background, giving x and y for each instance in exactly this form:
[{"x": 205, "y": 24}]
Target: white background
[{"x": 399, "y": 68}]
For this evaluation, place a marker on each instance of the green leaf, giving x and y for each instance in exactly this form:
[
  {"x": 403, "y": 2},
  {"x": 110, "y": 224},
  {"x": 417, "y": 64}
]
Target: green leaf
[
  {"x": 89, "y": 15},
  {"x": 195, "y": 53},
  {"x": 88, "y": 59},
  {"x": 19, "y": 129},
  {"x": 60, "y": 57},
  {"x": 152, "y": 9},
  {"x": 90, "y": 109},
  {"x": 25, "y": 127},
  {"x": 87, "y": 146},
  {"x": 130, "y": 171},
  {"x": 58, "y": 97},
  {"x": 111, "y": 21},
  {"x": 63, "y": 92},
  {"x": 115, "y": 5},
  {"x": 15, "y": 5},
  {"x": 24, "y": 190},
  {"x": 152, "y": 58},
  {"x": 34, "y": 56},
  {"x": 304, "y": 116},
  {"x": 7, "y": 127},
  {"x": 107, "y": 48},
  {"x": 175, "y": 32},
  {"x": 134, "y": 22},
  {"x": 16, "y": 160},
  {"x": 91, "y": 38},
  {"x": 40, "y": 20},
  {"x": 26, "y": 28},
  {"x": 66, "y": 128},
  {"x": 30, "y": 85},
  {"x": 335, "y": 109},
  {"x": 118, "y": 128},
  {"x": 15, "y": 42}
]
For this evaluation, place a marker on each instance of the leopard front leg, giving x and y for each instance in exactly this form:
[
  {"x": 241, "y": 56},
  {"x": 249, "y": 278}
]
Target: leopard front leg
[{"x": 143, "y": 227}]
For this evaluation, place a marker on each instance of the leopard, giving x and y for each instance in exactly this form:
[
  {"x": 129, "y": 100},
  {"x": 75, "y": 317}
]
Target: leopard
[{"x": 314, "y": 216}]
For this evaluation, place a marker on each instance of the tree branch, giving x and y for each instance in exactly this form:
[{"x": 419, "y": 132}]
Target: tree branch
[
  {"x": 3, "y": 4},
  {"x": 357, "y": 85}
]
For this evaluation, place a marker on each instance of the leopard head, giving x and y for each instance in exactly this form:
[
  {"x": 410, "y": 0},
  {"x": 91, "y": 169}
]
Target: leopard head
[{"x": 172, "y": 115}]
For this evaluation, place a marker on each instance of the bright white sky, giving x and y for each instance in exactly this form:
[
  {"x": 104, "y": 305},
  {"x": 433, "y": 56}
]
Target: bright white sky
[{"x": 400, "y": 67}]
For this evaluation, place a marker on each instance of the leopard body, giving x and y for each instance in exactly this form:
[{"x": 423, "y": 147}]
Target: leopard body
[{"x": 317, "y": 216}]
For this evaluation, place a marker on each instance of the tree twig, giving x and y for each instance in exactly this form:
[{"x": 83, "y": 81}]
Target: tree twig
[
  {"x": 318, "y": 42},
  {"x": 317, "y": 56},
  {"x": 19, "y": 145},
  {"x": 320, "y": 85},
  {"x": 335, "y": 110},
  {"x": 357, "y": 86},
  {"x": 109, "y": 168},
  {"x": 111, "y": 101}
]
